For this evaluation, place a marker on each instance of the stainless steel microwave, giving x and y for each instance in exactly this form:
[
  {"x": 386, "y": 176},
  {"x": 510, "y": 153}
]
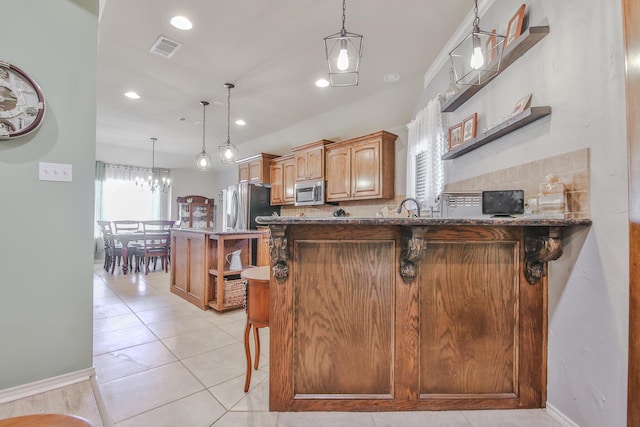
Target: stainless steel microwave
[{"x": 309, "y": 193}]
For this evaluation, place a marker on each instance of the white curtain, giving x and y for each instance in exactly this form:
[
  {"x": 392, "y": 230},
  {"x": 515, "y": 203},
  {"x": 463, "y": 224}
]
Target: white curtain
[
  {"x": 117, "y": 197},
  {"x": 427, "y": 135}
]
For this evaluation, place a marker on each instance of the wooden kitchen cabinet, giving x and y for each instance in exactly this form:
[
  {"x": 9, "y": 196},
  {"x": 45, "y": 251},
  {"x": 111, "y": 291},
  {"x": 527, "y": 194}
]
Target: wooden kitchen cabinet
[
  {"x": 283, "y": 173},
  {"x": 309, "y": 161},
  {"x": 361, "y": 168},
  {"x": 255, "y": 168}
]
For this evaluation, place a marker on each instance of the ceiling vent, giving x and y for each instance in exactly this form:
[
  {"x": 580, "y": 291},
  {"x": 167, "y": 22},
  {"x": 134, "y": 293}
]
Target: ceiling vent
[{"x": 165, "y": 47}]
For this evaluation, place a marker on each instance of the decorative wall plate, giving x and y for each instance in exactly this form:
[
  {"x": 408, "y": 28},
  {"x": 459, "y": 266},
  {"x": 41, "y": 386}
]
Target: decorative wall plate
[{"x": 21, "y": 102}]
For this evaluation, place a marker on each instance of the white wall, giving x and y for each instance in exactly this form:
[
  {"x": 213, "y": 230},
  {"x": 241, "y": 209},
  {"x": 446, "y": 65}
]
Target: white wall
[
  {"x": 187, "y": 182},
  {"x": 46, "y": 255},
  {"x": 578, "y": 69}
]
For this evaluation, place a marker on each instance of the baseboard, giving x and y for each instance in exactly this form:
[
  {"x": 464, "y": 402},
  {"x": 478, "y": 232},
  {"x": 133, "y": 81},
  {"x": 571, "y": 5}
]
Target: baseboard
[
  {"x": 42, "y": 386},
  {"x": 559, "y": 416},
  {"x": 97, "y": 393}
]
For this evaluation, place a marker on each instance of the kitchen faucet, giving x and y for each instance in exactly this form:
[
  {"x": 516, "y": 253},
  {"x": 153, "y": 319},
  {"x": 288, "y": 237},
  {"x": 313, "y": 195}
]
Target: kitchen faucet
[{"x": 407, "y": 199}]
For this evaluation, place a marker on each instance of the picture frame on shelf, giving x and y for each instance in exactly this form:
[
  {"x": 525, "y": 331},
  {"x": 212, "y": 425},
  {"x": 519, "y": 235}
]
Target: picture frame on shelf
[
  {"x": 455, "y": 135},
  {"x": 522, "y": 104},
  {"x": 470, "y": 127},
  {"x": 514, "y": 29},
  {"x": 491, "y": 47}
]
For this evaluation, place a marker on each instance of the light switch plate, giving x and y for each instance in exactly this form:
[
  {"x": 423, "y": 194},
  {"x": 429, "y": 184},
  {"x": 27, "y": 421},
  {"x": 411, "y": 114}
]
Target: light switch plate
[{"x": 55, "y": 172}]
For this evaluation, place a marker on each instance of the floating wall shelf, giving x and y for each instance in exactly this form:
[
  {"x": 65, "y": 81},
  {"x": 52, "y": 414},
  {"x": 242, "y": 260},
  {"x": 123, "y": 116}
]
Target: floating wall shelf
[
  {"x": 516, "y": 122},
  {"x": 520, "y": 46}
]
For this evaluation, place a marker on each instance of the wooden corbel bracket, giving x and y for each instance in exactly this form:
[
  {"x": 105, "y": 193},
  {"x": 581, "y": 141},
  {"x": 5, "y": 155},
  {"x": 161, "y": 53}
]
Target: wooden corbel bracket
[
  {"x": 540, "y": 247},
  {"x": 279, "y": 252},
  {"x": 413, "y": 247}
]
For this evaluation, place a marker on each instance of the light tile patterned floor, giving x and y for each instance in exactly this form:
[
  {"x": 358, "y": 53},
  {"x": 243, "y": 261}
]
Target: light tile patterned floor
[{"x": 160, "y": 361}]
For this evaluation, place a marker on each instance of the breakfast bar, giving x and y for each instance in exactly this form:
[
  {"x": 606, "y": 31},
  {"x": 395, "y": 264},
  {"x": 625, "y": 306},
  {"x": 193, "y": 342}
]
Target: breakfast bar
[{"x": 396, "y": 314}]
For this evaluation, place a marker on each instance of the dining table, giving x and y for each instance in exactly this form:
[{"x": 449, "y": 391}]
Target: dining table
[{"x": 126, "y": 237}]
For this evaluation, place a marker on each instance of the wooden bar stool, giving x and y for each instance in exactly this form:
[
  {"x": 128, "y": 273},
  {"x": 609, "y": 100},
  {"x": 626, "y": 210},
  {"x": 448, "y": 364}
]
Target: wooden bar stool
[
  {"x": 45, "y": 420},
  {"x": 257, "y": 312}
]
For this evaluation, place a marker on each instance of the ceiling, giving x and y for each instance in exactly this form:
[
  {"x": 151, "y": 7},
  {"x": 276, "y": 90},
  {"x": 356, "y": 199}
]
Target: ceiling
[{"x": 273, "y": 51}]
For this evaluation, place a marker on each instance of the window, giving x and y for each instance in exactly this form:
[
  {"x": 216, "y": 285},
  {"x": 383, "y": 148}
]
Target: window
[
  {"x": 425, "y": 167},
  {"x": 118, "y": 197}
]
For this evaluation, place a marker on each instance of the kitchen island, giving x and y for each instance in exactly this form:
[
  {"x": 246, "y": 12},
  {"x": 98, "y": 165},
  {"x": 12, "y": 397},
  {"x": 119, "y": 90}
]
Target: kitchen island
[{"x": 384, "y": 314}]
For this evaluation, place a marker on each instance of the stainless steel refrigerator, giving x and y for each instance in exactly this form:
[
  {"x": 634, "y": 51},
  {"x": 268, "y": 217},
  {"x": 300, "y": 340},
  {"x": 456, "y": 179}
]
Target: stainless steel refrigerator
[{"x": 242, "y": 203}]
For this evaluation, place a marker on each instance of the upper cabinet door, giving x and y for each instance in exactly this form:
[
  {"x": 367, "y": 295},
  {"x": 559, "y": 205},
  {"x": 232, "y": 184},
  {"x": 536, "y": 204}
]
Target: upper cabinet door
[
  {"x": 277, "y": 189},
  {"x": 315, "y": 164},
  {"x": 338, "y": 174},
  {"x": 255, "y": 171},
  {"x": 289, "y": 180},
  {"x": 365, "y": 170},
  {"x": 243, "y": 172},
  {"x": 301, "y": 166}
]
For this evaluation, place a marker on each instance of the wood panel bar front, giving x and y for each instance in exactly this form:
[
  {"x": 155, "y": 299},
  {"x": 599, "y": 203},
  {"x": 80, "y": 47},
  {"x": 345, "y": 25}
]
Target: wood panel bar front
[{"x": 353, "y": 329}]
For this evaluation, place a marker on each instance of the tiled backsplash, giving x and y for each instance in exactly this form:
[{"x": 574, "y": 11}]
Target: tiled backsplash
[
  {"x": 358, "y": 209},
  {"x": 572, "y": 169}
]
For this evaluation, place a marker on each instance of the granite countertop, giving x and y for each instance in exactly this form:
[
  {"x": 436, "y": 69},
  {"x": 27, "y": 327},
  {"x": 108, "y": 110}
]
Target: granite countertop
[
  {"x": 218, "y": 232},
  {"x": 506, "y": 221}
]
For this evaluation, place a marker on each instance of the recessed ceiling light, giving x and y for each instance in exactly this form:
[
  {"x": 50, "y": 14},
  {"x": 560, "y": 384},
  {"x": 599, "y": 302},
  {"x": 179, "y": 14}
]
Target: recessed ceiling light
[
  {"x": 322, "y": 83},
  {"x": 181, "y": 23},
  {"x": 132, "y": 95},
  {"x": 393, "y": 77},
  {"x": 240, "y": 122}
]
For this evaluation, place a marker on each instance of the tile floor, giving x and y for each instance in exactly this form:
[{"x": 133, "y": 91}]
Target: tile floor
[{"x": 160, "y": 361}]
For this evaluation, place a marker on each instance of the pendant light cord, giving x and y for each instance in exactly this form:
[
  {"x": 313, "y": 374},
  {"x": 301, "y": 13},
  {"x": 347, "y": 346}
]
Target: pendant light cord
[
  {"x": 204, "y": 106},
  {"x": 228, "y": 113},
  {"x": 344, "y": 14},
  {"x": 153, "y": 155},
  {"x": 476, "y": 20}
]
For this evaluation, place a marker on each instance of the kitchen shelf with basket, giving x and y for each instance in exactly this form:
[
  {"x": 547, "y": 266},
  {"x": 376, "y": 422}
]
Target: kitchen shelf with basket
[
  {"x": 227, "y": 288},
  {"x": 519, "y": 47},
  {"x": 200, "y": 271}
]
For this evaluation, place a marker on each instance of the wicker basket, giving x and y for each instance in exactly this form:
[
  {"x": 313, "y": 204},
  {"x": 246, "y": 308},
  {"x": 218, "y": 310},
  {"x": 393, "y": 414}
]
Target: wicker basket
[{"x": 235, "y": 291}]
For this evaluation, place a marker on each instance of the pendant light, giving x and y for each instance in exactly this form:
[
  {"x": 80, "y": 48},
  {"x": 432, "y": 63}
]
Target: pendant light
[
  {"x": 228, "y": 151},
  {"x": 476, "y": 59},
  {"x": 156, "y": 180},
  {"x": 203, "y": 160},
  {"x": 344, "y": 51}
]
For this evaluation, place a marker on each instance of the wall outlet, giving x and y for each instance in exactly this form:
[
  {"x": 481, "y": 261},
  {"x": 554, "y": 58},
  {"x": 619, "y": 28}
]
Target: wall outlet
[{"x": 55, "y": 172}]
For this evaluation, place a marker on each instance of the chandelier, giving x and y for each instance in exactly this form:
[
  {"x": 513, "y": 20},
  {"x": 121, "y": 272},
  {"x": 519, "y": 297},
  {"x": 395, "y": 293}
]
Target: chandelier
[
  {"x": 476, "y": 59},
  {"x": 344, "y": 51},
  {"x": 228, "y": 151},
  {"x": 157, "y": 179}
]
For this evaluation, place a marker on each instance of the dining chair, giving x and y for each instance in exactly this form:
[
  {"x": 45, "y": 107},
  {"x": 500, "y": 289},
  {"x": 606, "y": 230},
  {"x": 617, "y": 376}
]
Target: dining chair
[
  {"x": 134, "y": 247},
  {"x": 112, "y": 249},
  {"x": 105, "y": 227},
  {"x": 156, "y": 243},
  {"x": 126, "y": 225}
]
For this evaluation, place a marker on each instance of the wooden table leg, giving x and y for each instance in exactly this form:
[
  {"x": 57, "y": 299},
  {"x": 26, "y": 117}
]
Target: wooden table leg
[
  {"x": 256, "y": 338},
  {"x": 125, "y": 259},
  {"x": 247, "y": 351}
]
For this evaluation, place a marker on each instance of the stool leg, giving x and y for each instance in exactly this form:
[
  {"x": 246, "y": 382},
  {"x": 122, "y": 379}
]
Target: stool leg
[
  {"x": 247, "y": 351},
  {"x": 256, "y": 338}
]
